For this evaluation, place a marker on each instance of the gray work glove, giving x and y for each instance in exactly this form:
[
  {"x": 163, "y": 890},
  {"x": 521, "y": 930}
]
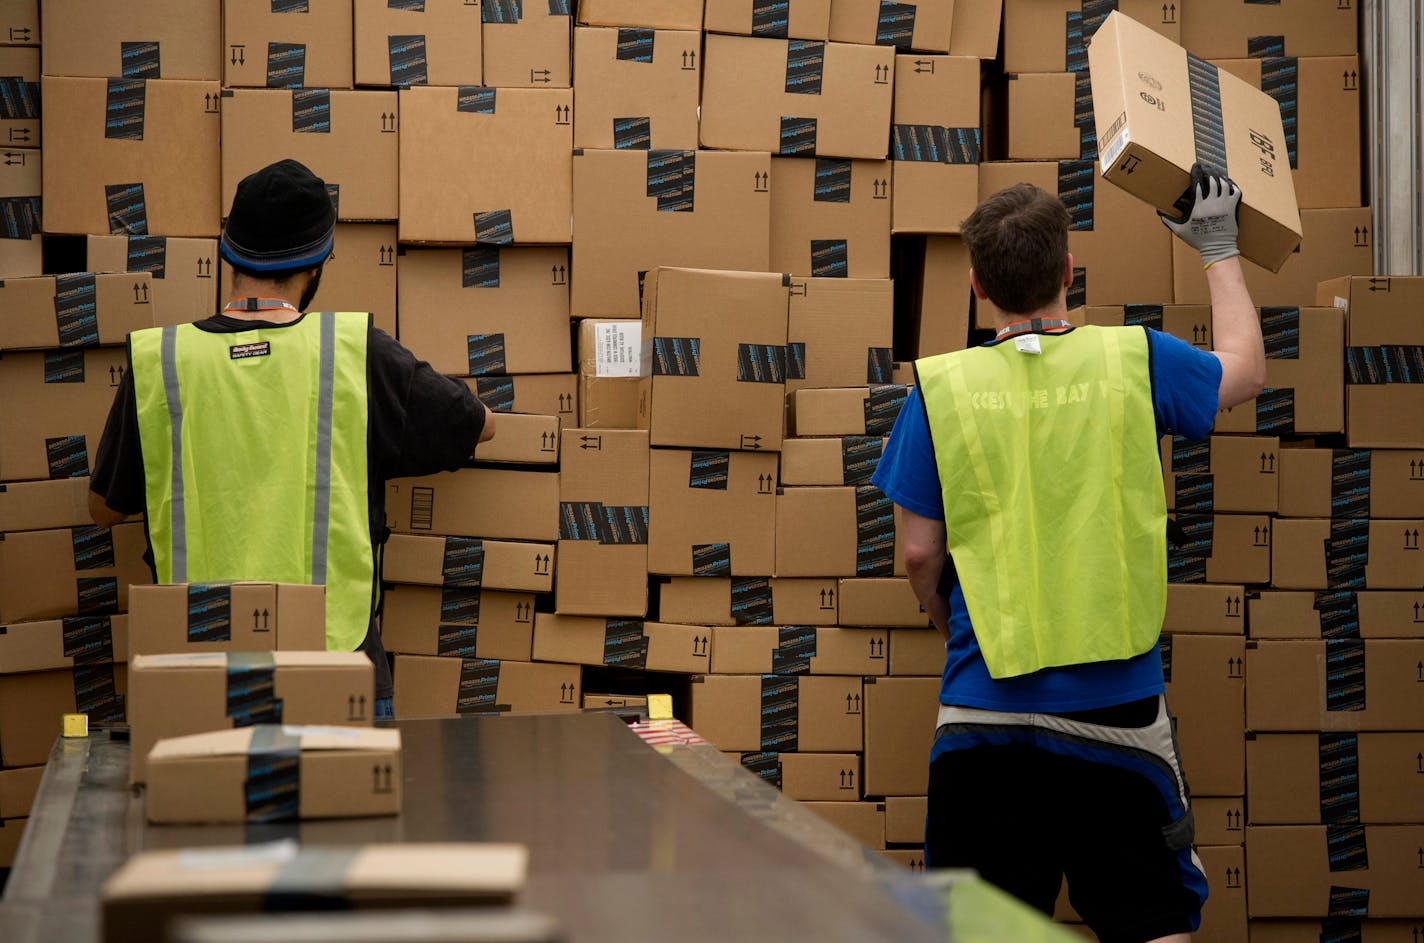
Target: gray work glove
[{"x": 1208, "y": 220}]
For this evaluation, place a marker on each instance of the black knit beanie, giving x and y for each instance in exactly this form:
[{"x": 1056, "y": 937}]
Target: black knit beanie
[{"x": 282, "y": 220}]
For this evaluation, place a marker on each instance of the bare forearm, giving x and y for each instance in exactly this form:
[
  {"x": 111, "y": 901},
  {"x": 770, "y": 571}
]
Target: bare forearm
[
  {"x": 1236, "y": 333},
  {"x": 924, "y": 580}
]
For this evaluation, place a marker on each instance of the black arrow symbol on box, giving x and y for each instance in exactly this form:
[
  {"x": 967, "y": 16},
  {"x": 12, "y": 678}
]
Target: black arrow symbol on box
[
  {"x": 566, "y": 398},
  {"x": 14, "y": 159},
  {"x": 1420, "y": 666},
  {"x": 255, "y": 615},
  {"x": 924, "y": 65},
  {"x": 540, "y": 75},
  {"x": 19, "y": 34},
  {"x": 594, "y": 442}
]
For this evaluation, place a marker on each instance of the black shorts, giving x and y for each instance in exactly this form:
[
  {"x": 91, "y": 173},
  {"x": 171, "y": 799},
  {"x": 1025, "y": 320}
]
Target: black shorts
[{"x": 1027, "y": 800}]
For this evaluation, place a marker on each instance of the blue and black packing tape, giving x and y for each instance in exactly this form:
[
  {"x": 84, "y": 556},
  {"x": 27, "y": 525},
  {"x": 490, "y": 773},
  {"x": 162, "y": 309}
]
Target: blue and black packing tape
[
  {"x": 485, "y": 354},
  {"x": 624, "y": 644},
  {"x": 1186, "y": 560},
  {"x": 286, "y": 65},
  {"x": 635, "y": 45},
  {"x": 1078, "y": 291},
  {"x": 124, "y": 102},
  {"x": 140, "y": 60},
  {"x": 879, "y": 366},
  {"x": 798, "y": 136},
  {"x": 1164, "y": 648},
  {"x": 1142, "y": 316},
  {"x": 494, "y": 227},
  {"x": 76, "y": 309},
  {"x": 476, "y": 99},
  {"x": 830, "y": 258},
  {"x": 633, "y": 134},
  {"x": 860, "y": 454},
  {"x": 409, "y": 64},
  {"x": 271, "y": 789},
  {"x": 291, "y": 6},
  {"x": 479, "y": 267},
  {"x": 93, "y": 547},
  {"x": 457, "y": 639},
  {"x": 1345, "y": 846},
  {"x": 1275, "y": 411},
  {"x": 751, "y": 600},
  {"x": 1194, "y": 493},
  {"x": 97, "y": 595},
  {"x": 608, "y": 524},
  {"x": 712, "y": 559},
  {"x": 677, "y": 356},
  {"x": 314, "y": 880},
  {"x": 795, "y": 647},
  {"x": 464, "y": 562},
  {"x": 19, "y": 99},
  {"x": 1386, "y": 363},
  {"x": 210, "y": 612},
  {"x": 1344, "y": 674},
  {"x": 88, "y": 640},
  {"x": 1268, "y": 46},
  {"x": 780, "y": 713},
  {"x": 64, "y": 366},
  {"x": 882, "y": 407},
  {"x": 412, "y": 6},
  {"x": 333, "y": 193},
  {"x": 895, "y": 25},
  {"x": 708, "y": 469},
  {"x": 805, "y": 67},
  {"x": 1280, "y": 79},
  {"x": 67, "y": 456},
  {"x": 1280, "y": 332},
  {"x": 148, "y": 254},
  {"x": 765, "y": 766},
  {"x": 311, "y": 110},
  {"x": 935, "y": 144},
  {"x": 796, "y": 361},
  {"x": 459, "y": 604},
  {"x": 1353, "y": 902},
  {"x": 1347, "y": 552},
  {"x": 1341, "y": 929},
  {"x": 874, "y": 532},
  {"x": 1339, "y": 755},
  {"x": 20, "y": 216},
  {"x": 831, "y": 181},
  {"x": 1350, "y": 482},
  {"x": 1076, "y": 190},
  {"x": 1339, "y": 611},
  {"x": 252, "y": 689},
  {"x": 771, "y": 19},
  {"x": 496, "y": 392},
  {"x": 127, "y": 209},
  {"x": 1190, "y": 455},
  {"x": 763, "y": 363},
  {"x": 502, "y": 11},
  {"x": 479, "y": 686},
  {"x": 672, "y": 180},
  {"x": 96, "y": 695}
]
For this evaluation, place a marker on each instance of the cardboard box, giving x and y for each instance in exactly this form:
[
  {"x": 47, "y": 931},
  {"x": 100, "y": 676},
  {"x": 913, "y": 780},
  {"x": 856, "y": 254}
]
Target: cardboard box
[
  {"x": 150, "y": 39},
  {"x": 1190, "y": 323},
  {"x": 976, "y": 29},
  {"x": 17, "y": 790},
  {"x": 1226, "y": 473},
  {"x": 1310, "y": 931},
  {"x": 446, "y": 687},
  {"x": 360, "y": 274},
  {"x": 44, "y": 505},
  {"x": 1205, "y": 609},
  {"x": 1379, "y": 483},
  {"x": 182, "y": 276},
  {"x": 487, "y": 310},
  {"x": 711, "y": 513},
  {"x": 657, "y": 14},
  {"x": 1381, "y": 317},
  {"x": 905, "y": 819},
  {"x": 1307, "y": 779},
  {"x": 862, "y": 821},
  {"x": 916, "y": 653},
  {"x": 432, "y": 43},
  {"x": 622, "y": 643},
  {"x": 1341, "y": 614},
  {"x": 209, "y": 778},
  {"x": 1224, "y": 914},
  {"x": 85, "y": 570},
  {"x": 1305, "y": 375},
  {"x": 227, "y": 617},
  {"x": 610, "y": 355},
  {"x": 123, "y": 175},
  {"x": 743, "y": 601},
  {"x": 939, "y": 314},
  {"x": 614, "y": 701},
  {"x": 458, "y": 622},
  {"x": 798, "y": 649},
  {"x": 1224, "y": 29},
  {"x": 1308, "y": 870},
  {"x": 548, "y": 394},
  {"x": 1042, "y": 119},
  {"x": 1052, "y": 35},
  {"x": 637, "y": 211},
  {"x": 830, "y": 217},
  {"x": 1336, "y": 684},
  {"x": 922, "y": 25},
  {"x": 795, "y": 19},
  {"x": 911, "y": 859},
  {"x": 1347, "y": 553},
  {"x": 520, "y": 138},
  {"x": 20, "y": 23},
  {"x": 527, "y": 44},
  {"x": 61, "y": 643},
  {"x": 881, "y": 602},
  {"x": 465, "y": 562},
  {"x": 857, "y": 411},
  {"x": 603, "y": 523},
  {"x": 794, "y": 97},
  {"x": 824, "y": 777},
  {"x": 1206, "y": 683},
  {"x": 847, "y": 460},
  {"x": 638, "y": 88},
  {"x": 1144, "y": 113},
  {"x": 307, "y": 45},
  {"x": 476, "y": 502},
  {"x": 57, "y": 402},
  {"x": 32, "y": 706},
  {"x": 154, "y": 887},
  {"x": 349, "y": 139},
  {"x": 936, "y": 142},
  {"x": 714, "y": 337},
  {"x": 21, "y": 248},
  {"x": 899, "y": 732},
  {"x": 837, "y": 532},
  {"x": 839, "y": 332},
  {"x": 1220, "y": 821},
  {"x": 775, "y": 713},
  {"x": 20, "y": 124},
  {"x": 73, "y": 311},
  {"x": 11, "y": 831}
]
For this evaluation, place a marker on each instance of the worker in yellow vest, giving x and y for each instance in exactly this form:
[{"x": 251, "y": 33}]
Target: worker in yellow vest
[
  {"x": 1035, "y": 534},
  {"x": 258, "y": 441}
]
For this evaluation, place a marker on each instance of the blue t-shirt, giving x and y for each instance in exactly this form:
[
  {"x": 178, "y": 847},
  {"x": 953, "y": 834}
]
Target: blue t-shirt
[{"x": 1185, "y": 382}]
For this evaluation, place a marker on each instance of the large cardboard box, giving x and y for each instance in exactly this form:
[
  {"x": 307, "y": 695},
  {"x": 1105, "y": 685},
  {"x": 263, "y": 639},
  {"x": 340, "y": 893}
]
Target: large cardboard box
[
  {"x": 793, "y": 19},
  {"x": 1220, "y": 548},
  {"x": 754, "y": 600},
  {"x": 61, "y": 643},
  {"x": 458, "y": 622},
  {"x": 824, "y": 777},
  {"x": 1149, "y": 95},
  {"x": 1190, "y": 323},
  {"x": 610, "y": 354},
  {"x": 184, "y": 280},
  {"x": 44, "y": 505},
  {"x": 711, "y": 513},
  {"x": 32, "y": 707},
  {"x": 226, "y": 617},
  {"x": 73, "y": 311},
  {"x": 839, "y": 332},
  {"x": 1052, "y": 35},
  {"x": 1315, "y": 870},
  {"x": 148, "y": 39},
  {"x": 638, "y": 88},
  {"x": 436, "y": 42},
  {"x": 1206, "y": 685},
  {"x": 527, "y": 44},
  {"x": 447, "y": 687},
  {"x": 714, "y": 337},
  {"x": 1043, "y": 115},
  {"x": 1225, "y": 473},
  {"x": 310, "y": 773},
  {"x": 1383, "y": 327},
  {"x": 547, "y": 394},
  {"x": 939, "y": 313},
  {"x": 936, "y": 142},
  {"x": 830, "y": 217},
  {"x": 922, "y": 25},
  {"x": 287, "y": 45},
  {"x": 1335, "y": 684},
  {"x": 1220, "y": 29},
  {"x": 56, "y": 405},
  {"x": 637, "y": 211},
  {"x": 348, "y": 139},
  {"x": 1281, "y": 614},
  {"x": 845, "y": 531},
  {"x": 1379, "y": 483},
  {"x": 17, "y": 790},
  {"x": 916, "y": 653},
  {"x": 845, "y": 460},
  {"x": 657, "y": 14},
  {"x": 21, "y": 248},
  {"x": 778, "y": 713},
  {"x": 476, "y": 502},
  {"x": 622, "y": 643},
  {"x": 486, "y": 310},
  {"x": 862, "y": 821},
  {"x": 1347, "y": 553},
  {"x": 523, "y": 440},
  {"x": 469, "y": 562},
  {"x": 603, "y": 523},
  {"x": 1308, "y": 779},
  {"x": 862, "y": 411},
  {"x": 522, "y": 141},
  {"x": 85, "y": 570},
  {"x": 134, "y": 157},
  {"x": 1305, "y": 376},
  {"x": 20, "y": 123},
  {"x": 361, "y": 273},
  {"x": 1206, "y": 609},
  {"x": 20, "y": 23},
  {"x": 976, "y": 31},
  {"x": 881, "y": 601},
  {"x": 796, "y": 97},
  {"x": 798, "y": 649},
  {"x": 899, "y": 732}
]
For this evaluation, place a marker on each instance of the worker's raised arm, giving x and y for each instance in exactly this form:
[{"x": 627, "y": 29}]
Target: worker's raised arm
[{"x": 923, "y": 539}]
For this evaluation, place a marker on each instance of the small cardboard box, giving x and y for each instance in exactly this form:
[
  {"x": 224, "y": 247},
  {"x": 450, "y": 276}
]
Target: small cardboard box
[
  {"x": 468, "y": 562},
  {"x": 622, "y": 643},
  {"x": 523, "y": 440},
  {"x": 360, "y": 273},
  {"x": 1220, "y": 820},
  {"x": 1382, "y": 483},
  {"x": 1347, "y": 553},
  {"x": 837, "y": 532},
  {"x": 1190, "y": 323},
  {"x": 976, "y": 32},
  {"x": 776, "y": 713},
  {"x": 476, "y": 502},
  {"x": 1206, "y": 684},
  {"x": 1205, "y": 609},
  {"x": 20, "y": 23},
  {"x": 1221, "y": 548},
  {"x": 905, "y": 819},
  {"x": 1224, "y": 917},
  {"x": 33, "y": 705},
  {"x": 47, "y": 574},
  {"x": 73, "y": 311},
  {"x": 614, "y": 701},
  {"x": 795, "y": 19},
  {"x": 847, "y": 460},
  {"x": 656, "y": 14},
  {"x": 21, "y": 246},
  {"x": 899, "y": 731},
  {"x": 432, "y": 43},
  {"x": 916, "y": 653},
  {"x": 1311, "y": 615},
  {"x": 351, "y": 140},
  {"x": 222, "y": 690},
  {"x": 1043, "y": 115},
  {"x": 447, "y": 687},
  {"x": 458, "y": 622},
  {"x": 610, "y": 355},
  {"x": 1226, "y": 473},
  {"x": 486, "y": 310},
  {"x": 56, "y": 405},
  {"x": 809, "y": 777},
  {"x": 881, "y": 602},
  {"x": 856, "y": 411},
  {"x": 936, "y": 142},
  {"x": 17, "y": 790},
  {"x": 798, "y": 649},
  {"x": 303, "y": 772},
  {"x": 863, "y": 821},
  {"x": 939, "y": 312},
  {"x": 1296, "y": 28},
  {"x": 522, "y": 141},
  {"x": 1382, "y": 324},
  {"x": 62, "y": 643},
  {"x": 839, "y": 332},
  {"x": 921, "y": 25},
  {"x": 792, "y": 97},
  {"x": 527, "y": 44},
  {"x": 20, "y": 125},
  {"x": 754, "y": 600},
  {"x": 638, "y": 88},
  {"x": 603, "y": 523},
  {"x": 711, "y": 513},
  {"x": 306, "y": 45},
  {"x": 1296, "y": 870},
  {"x": 548, "y": 394},
  {"x": 830, "y": 217},
  {"x": 1336, "y": 684},
  {"x": 1052, "y": 35},
  {"x": 1307, "y": 779},
  {"x": 154, "y": 888},
  {"x": 226, "y": 617},
  {"x": 183, "y": 276},
  {"x": 1148, "y": 96},
  {"x": 147, "y": 39},
  {"x": 1305, "y": 375},
  {"x": 115, "y": 163}
]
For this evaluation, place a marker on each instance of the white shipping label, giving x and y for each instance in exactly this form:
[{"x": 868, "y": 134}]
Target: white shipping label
[
  {"x": 1111, "y": 152},
  {"x": 618, "y": 349}
]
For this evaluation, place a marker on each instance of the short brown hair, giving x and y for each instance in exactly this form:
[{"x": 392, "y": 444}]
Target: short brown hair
[{"x": 1018, "y": 240}]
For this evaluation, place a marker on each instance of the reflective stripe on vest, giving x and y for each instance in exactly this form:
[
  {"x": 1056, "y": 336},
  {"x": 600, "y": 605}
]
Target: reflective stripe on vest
[
  {"x": 255, "y": 461},
  {"x": 1055, "y": 511}
]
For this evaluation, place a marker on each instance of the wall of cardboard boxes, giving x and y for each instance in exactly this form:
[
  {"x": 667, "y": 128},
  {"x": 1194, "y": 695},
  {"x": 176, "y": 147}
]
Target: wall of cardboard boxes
[{"x": 681, "y": 484}]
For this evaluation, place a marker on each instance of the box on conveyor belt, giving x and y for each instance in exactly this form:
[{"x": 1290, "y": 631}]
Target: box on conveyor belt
[
  {"x": 20, "y": 23},
  {"x": 1319, "y": 870},
  {"x": 1384, "y": 396},
  {"x": 17, "y": 790},
  {"x": 921, "y": 25},
  {"x": 468, "y": 562},
  {"x": 714, "y": 337},
  {"x": 21, "y": 246},
  {"x": 184, "y": 272},
  {"x": 1347, "y": 553},
  {"x": 548, "y": 394},
  {"x": 1305, "y": 374},
  {"x": 843, "y": 460},
  {"x": 57, "y": 403},
  {"x": 824, "y": 777},
  {"x": 1338, "y": 684},
  {"x": 86, "y": 570},
  {"x": 936, "y": 142},
  {"x": 223, "y": 690},
  {"x": 476, "y": 502},
  {"x": 938, "y": 309},
  {"x": 152, "y": 889},
  {"x": 51, "y": 644},
  {"x": 864, "y": 821},
  {"x": 1052, "y": 35},
  {"x": 610, "y": 354},
  {"x": 1206, "y": 681},
  {"x": 1206, "y": 609},
  {"x": 1190, "y": 323},
  {"x": 1379, "y": 483},
  {"x": 839, "y": 332},
  {"x": 656, "y": 14},
  {"x": 405, "y": 44},
  {"x": 1223, "y": 473},
  {"x": 792, "y": 19},
  {"x": 360, "y": 273},
  {"x": 527, "y": 44},
  {"x": 603, "y": 523},
  {"x": 287, "y": 45},
  {"x": 522, "y": 141},
  {"x": 458, "y": 622},
  {"x": 147, "y": 39},
  {"x": 776, "y": 713},
  {"x": 796, "y": 97},
  {"x": 1220, "y": 29},
  {"x": 852, "y": 411},
  {"x": 881, "y": 602},
  {"x": 830, "y": 217},
  {"x": 1158, "y": 110},
  {"x": 797, "y": 650},
  {"x": 1220, "y": 548},
  {"x": 20, "y": 124},
  {"x": 899, "y": 731},
  {"x": 33, "y": 704},
  {"x": 226, "y": 617},
  {"x": 845, "y": 531},
  {"x": 73, "y": 311},
  {"x": 133, "y": 157},
  {"x": 274, "y": 773},
  {"x": 916, "y": 653},
  {"x": 638, "y": 88},
  {"x": 905, "y": 819},
  {"x": 1308, "y": 779},
  {"x": 711, "y": 513},
  {"x": 753, "y": 600},
  {"x": 622, "y": 643},
  {"x": 637, "y": 210},
  {"x": 446, "y": 687},
  {"x": 1372, "y": 614}
]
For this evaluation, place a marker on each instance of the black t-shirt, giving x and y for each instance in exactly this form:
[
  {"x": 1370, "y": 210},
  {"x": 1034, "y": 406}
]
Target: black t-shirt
[{"x": 419, "y": 422}]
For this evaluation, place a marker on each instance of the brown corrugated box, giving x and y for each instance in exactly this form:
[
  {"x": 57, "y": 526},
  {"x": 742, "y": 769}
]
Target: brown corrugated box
[
  {"x": 221, "y": 690},
  {"x": 11, "y": 831},
  {"x": 360, "y": 273},
  {"x": 21, "y": 246},
  {"x": 53, "y": 573},
  {"x": 656, "y": 14},
  {"x": 277, "y": 47},
  {"x": 1217, "y": 29},
  {"x": 1337, "y": 684},
  {"x": 21, "y": 124},
  {"x": 1308, "y": 615},
  {"x": 855, "y": 411},
  {"x": 44, "y": 505},
  {"x": 337, "y": 773},
  {"x": 819, "y": 714},
  {"x": 1038, "y": 33},
  {"x": 1224, "y": 917},
  {"x": 614, "y": 701},
  {"x": 846, "y": 460},
  {"x": 56, "y": 405},
  {"x": 1377, "y": 554},
  {"x": 610, "y": 355},
  {"x": 1305, "y": 375},
  {"x": 796, "y": 19},
  {"x": 1391, "y": 481},
  {"x": 523, "y": 440},
  {"x": 522, "y": 141},
  {"x": 916, "y": 653},
  {"x": 33, "y": 704},
  {"x": 824, "y": 100},
  {"x": 799, "y": 649},
  {"x": 20, "y": 23},
  {"x": 711, "y": 513},
  {"x": 880, "y": 602},
  {"x": 636, "y": 210},
  {"x": 940, "y": 314},
  {"x": 476, "y": 502},
  {"x": 435, "y": 43},
  {"x": 1227, "y": 473},
  {"x": 1310, "y": 931},
  {"x": 62, "y": 643},
  {"x": 1041, "y": 116},
  {"x": 446, "y": 687},
  {"x": 839, "y": 332},
  {"x": 824, "y": 777},
  {"x": 603, "y": 523},
  {"x": 1205, "y": 609},
  {"x": 17, "y": 790},
  {"x": 76, "y": 310},
  {"x": 115, "y": 163},
  {"x": 911, "y": 859},
  {"x": 183, "y": 271},
  {"x": 459, "y": 622},
  {"x": 747, "y": 601},
  {"x": 485, "y": 564},
  {"x": 837, "y": 532},
  {"x": 1383, "y": 409},
  {"x": 830, "y": 217},
  {"x": 1294, "y": 870},
  {"x": 1206, "y": 683},
  {"x": 151, "y": 39},
  {"x": 1191, "y": 323},
  {"x": 976, "y": 31},
  {"x": 899, "y": 732},
  {"x": 905, "y": 819},
  {"x": 527, "y": 45},
  {"x": 1220, "y": 820},
  {"x": 549, "y": 394},
  {"x": 923, "y": 25},
  {"x": 1221, "y": 548},
  {"x": 622, "y": 643},
  {"x": 863, "y": 821},
  {"x": 638, "y": 88},
  {"x": 226, "y": 617},
  {"x": 1298, "y": 779}
]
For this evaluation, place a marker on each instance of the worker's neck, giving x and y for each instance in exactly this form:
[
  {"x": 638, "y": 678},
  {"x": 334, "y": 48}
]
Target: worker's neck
[
  {"x": 1003, "y": 319},
  {"x": 268, "y": 293}
]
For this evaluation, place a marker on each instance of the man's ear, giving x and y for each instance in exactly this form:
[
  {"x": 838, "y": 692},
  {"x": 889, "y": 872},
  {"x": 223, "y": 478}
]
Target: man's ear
[
  {"x": 978, "y": 290},
  {"x": 1068, "y": 270}
]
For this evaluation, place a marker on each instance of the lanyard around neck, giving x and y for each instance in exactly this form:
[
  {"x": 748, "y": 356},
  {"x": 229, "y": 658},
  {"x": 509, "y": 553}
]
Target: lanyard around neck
[
  {"x": 261, "y": 304},
  {"x": 1032, "y": 326}
]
